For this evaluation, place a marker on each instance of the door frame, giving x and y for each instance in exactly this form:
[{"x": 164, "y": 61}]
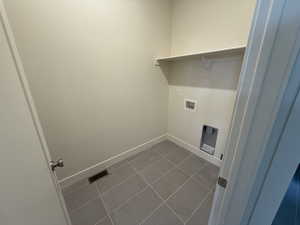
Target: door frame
[
  {"x": 26, "y": 90},
  {"x": 267, "y": 89}
]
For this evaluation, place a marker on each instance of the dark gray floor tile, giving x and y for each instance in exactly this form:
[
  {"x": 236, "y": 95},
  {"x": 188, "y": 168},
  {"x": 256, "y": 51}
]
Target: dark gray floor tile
[
  {"x": 201, "y": 216},
  {"x": 81, "y": 196},
  {"x": 117, "y": 174},
  {"x": 118, "y": 165},
  {"x": 137, "y": 209},
  {"x": 177, "y": 155},
  {"x": 164, "y": 148},
  {"x": 119, "y": 194},
  {"x": 187, "y": 199},
  {"x": 192, "y": 165},
  {"x": 144, "y": 159},
  {"x": 156, "y": 170},
  {"x": 134, "y": 156},
  {"x": 163, "y": 216},
  {"x": 119, "y": 190},
  {"x": 75, "y": 186},
  {"x": 169, "y": 183},
  {"x": 208, "y": 175},
  {"x": 105, "y": 221},
  {"x": 90, "y": 214}
]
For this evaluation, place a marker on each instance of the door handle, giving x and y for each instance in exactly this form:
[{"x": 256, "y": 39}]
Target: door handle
[{"x": 58, "y": 163}]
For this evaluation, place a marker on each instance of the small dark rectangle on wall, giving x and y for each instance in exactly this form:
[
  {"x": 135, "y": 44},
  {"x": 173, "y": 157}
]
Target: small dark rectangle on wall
[
  {"x": 209, "y": 139},
  {"x": 221, "y": 157},
  {"x": 98, "y": 176},
  {"x": 190, "y": 105}
]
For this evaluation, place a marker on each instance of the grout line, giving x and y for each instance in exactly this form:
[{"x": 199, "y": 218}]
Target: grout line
[
  {"x": 191, "y": 175},
  {"x": 198, "y": 207},
  {"x": 152, "y": 213},
  {"x": 157, "y": 179},
  {"x": 178, "y": 168},
  {"x": 165, "y": 201},
  {"x": 148, "y": 166},
  {"x": 96, "y": 184},
  {"x": 131, "y": 176},
  {"x": 119, "y": 184},
  {"x": 190, "y": 155},
  {"x": 84, "y": 204},
  {"x": 151, "y": 164},
  {"x": 73, "y": 189},
  {"x": 194, "y": 174},
  {"x": 125, "y": 180},
  {"x": 101, "y": 220},
  {"x": 133, "y": 196},
  {"x": 138, "y": 173},
  {"x": 109, "y": 216},
  {"x": 118, "y": 168},
  {"x": 208, "y": 187},
  {"x": 162, "y": 175}
]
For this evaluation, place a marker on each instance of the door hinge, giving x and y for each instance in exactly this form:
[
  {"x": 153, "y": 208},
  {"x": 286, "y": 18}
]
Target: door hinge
[{"x": 222, "y": 182}]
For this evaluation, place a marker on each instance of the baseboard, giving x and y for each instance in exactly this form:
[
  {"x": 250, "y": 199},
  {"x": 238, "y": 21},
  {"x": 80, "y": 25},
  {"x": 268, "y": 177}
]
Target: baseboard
[
  {"x": 194, "y": 150},
  {"x": 113, "y": 160}
]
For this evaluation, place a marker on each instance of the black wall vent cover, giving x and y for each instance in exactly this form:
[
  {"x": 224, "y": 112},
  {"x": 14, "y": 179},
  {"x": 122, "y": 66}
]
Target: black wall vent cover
[{"x": 98, "y": 176}]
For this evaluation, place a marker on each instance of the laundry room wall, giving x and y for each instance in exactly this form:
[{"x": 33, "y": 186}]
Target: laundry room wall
[
  {"x": 90, "y": 69},
  {"x": 205, "y": 26}
]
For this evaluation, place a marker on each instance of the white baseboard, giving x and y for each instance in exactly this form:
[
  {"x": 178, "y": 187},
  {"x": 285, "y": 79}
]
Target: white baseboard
[
  {"x": 194, "y": 150},
  {"x": 83, "y": 174}
]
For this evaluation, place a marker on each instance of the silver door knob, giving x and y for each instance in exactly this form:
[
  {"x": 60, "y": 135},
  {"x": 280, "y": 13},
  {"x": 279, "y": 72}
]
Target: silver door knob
[{"x": 58, "y": 163}]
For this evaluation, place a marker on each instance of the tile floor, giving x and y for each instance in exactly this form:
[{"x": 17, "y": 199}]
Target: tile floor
[{"x": 165, "y": 185}]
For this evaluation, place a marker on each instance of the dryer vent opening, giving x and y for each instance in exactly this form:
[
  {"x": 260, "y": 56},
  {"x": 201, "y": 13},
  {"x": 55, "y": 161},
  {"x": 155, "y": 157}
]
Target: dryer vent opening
[{"x": 209, "y": 139}]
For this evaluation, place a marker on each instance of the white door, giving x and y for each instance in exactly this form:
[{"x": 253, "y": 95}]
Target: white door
[{"x": 28, "y": 193}]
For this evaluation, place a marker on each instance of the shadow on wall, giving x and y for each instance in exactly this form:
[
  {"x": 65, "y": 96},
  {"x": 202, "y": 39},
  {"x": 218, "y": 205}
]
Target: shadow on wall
[{"x": 214, "y": 72}]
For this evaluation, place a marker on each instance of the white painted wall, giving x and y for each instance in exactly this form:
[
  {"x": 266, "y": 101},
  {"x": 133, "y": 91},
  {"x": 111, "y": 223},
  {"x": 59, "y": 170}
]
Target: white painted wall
[
  {"x": 90, "y": 69},
  {"x": 214, "y": 89},
  {"x": 203, "y": 25}
]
